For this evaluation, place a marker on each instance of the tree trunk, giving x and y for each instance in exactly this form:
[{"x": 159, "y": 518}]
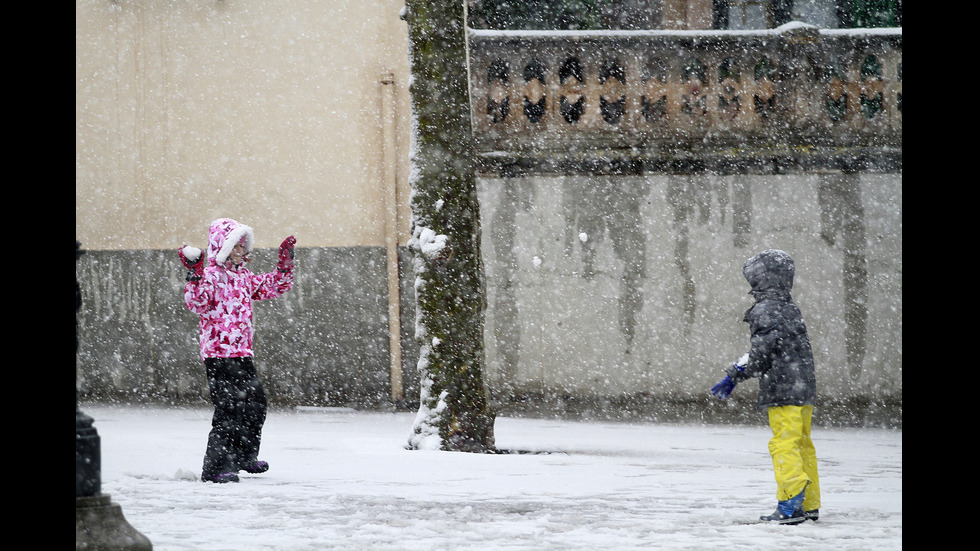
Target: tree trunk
[{"x": 454, "y": 410}]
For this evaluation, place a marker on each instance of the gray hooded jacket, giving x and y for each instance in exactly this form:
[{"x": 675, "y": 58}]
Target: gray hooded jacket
[{"x": 780, "y": 354}]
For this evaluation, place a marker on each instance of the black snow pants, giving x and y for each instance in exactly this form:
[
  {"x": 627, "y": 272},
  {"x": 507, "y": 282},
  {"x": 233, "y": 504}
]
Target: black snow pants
[{"x": 239, "y": 414}]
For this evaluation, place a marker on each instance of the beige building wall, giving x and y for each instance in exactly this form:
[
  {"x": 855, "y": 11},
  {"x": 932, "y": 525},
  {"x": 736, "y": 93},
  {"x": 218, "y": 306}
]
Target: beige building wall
[
  {"x": 687, "y": 14},
  {"x": 290, "y": 115}
]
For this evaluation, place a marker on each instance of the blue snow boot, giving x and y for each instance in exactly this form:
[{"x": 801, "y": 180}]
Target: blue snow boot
[{"x": 788, "y": 512}]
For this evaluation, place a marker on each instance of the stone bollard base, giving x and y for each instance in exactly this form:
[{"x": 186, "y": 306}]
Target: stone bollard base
[{"x": 101, "y": 526}]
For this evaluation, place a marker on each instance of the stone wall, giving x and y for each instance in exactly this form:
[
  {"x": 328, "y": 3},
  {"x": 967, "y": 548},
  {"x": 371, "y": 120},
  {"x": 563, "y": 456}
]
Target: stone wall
[
  {"x": 625, "y": 176},
  {"x": 610, "y": 287},
  {"x": 324, "y": 343}
]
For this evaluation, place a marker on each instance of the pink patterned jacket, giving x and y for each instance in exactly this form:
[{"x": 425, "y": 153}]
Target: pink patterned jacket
[{"x": 223, "y": 296}]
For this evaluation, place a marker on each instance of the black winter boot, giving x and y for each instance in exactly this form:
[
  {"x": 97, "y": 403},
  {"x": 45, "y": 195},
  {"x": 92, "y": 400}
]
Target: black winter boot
[
  {"x": 788, "y": 512},
  {"x": 777, "y": 517},
  {"x": 220, "y": 478}
]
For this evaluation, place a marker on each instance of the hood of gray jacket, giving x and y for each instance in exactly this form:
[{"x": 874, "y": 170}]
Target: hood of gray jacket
[{"x": 770, "y": 271}]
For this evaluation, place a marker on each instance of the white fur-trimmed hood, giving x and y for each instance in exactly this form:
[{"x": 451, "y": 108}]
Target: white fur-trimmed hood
[{"x": 223, "y": 235}]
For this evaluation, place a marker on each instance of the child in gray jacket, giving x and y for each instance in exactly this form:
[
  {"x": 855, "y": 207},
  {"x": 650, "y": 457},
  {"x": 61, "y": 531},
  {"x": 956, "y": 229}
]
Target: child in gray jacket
[{"x": 781, "y": 358}]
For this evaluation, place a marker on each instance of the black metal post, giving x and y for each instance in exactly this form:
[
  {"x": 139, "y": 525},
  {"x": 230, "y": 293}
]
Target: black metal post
[{"x": 99, "y": 523}]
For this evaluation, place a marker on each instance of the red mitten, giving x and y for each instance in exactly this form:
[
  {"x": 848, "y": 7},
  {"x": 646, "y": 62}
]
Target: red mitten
[
  {"x": 193, "y": 259},
  {"x": 286, "y": 254}
]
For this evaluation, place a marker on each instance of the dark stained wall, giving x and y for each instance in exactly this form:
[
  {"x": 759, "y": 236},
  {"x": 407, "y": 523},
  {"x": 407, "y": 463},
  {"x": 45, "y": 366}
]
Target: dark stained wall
[{"x": 323, "y": 343}]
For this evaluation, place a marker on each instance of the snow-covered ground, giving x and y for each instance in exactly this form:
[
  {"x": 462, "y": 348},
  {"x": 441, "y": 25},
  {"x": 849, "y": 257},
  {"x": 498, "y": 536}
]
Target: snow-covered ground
[{"x": 343, "y": 480}]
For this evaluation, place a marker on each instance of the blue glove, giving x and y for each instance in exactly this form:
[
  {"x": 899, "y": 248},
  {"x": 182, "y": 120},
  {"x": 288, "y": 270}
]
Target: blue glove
[{"x": 724, "y": 388}]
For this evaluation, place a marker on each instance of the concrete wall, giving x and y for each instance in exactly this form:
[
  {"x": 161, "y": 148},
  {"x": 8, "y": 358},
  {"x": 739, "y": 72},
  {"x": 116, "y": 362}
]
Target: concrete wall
[
  {"x": 324, "y": 343},
  {"x": 612, "y": 296},
  {"x": 291, "y": 116},
  {"x": 631, "y": 285}
]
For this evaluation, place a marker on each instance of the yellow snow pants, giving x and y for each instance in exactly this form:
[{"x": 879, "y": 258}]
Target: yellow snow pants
[{"x": 794, "y": 459}]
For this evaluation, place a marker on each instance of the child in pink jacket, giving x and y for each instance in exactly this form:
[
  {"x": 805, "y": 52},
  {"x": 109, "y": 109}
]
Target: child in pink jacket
[{"x": 221, "y": 289}]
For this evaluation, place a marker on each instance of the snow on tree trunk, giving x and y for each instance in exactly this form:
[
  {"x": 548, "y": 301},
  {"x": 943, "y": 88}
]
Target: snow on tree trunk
[{"x": 454, "y": 410}]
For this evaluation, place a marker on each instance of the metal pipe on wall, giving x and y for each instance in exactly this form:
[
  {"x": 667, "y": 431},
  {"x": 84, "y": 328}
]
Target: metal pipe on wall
[{"x": 392, "y": 237}]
